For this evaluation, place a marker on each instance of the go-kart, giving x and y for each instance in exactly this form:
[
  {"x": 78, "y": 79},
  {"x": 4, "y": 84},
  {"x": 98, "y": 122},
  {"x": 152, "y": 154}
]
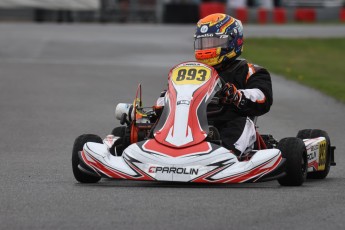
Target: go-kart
[{"x": 176, "y": 144}]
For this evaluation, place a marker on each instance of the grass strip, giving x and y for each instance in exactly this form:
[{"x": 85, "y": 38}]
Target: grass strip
[{"x": 319, "y": 63}]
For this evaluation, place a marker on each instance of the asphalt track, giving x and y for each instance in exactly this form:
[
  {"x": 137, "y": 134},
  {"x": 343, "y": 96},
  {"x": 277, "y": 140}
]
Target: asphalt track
[{"x": 59, "y": 81}]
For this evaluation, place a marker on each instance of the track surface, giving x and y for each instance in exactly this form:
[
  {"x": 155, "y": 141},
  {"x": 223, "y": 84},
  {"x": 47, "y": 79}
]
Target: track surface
[{"x": 57, "y": 82}]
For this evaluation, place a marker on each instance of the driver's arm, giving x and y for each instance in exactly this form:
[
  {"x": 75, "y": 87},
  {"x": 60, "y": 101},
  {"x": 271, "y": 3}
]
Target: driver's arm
[{"x": 255, "y": 98}]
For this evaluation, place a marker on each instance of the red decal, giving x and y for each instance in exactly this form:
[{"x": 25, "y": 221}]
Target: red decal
[
  {"x": 193, "y": 121},
  {"x": 153, "y": 146},
  {"x": 259, "y": 171},
  {"x": 313, "y": 164},
  {"x": 112, "y": 173}
]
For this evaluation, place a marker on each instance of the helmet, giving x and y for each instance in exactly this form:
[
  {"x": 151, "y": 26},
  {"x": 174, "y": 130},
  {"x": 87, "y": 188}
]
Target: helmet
[{"x": 218, "y": 39}]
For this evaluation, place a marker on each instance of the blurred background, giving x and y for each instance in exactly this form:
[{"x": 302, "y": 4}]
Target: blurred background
[
  {"x": 65, "y": 64},
  {"x": 171, "y": 11}
]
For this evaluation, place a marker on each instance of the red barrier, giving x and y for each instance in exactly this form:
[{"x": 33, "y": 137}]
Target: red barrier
[
  {"x": 342, "y": 15},
  {"x": 279, "y": 15},
  {"x": 262, "y": 16},
  {"x": 242, "y": 14},
  {"x": 305, "y": 15},
  {"x": 208, "y": 8}
]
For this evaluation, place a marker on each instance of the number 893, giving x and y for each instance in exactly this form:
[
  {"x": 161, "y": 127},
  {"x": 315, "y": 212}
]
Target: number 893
[{"x": 191, "y": 74}]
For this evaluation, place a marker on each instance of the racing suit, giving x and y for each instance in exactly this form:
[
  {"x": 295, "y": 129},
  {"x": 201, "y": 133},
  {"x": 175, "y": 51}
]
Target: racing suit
[{"x": 235, "y": 123}]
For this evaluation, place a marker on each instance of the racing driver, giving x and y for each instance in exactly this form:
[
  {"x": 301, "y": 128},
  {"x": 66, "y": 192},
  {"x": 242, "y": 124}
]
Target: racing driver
[{"x": 247, "y": 89}]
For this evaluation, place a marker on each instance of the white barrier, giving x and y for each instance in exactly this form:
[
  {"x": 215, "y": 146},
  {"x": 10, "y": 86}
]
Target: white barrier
[{"x": 52, "y": 4}]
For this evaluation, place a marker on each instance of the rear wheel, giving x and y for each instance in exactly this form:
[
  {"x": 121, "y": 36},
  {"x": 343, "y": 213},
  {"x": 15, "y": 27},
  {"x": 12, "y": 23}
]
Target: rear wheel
[
  {"x": 78, "y": 146},
  {"x": 314, "y": 133},
  {"x": 295, "y": 153}
]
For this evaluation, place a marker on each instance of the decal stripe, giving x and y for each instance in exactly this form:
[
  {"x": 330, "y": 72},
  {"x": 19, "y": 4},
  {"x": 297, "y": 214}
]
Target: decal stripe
[
  {"x": 259, "y": 171},
  {"x": 313, "y": 164},
  {"x": 254, "y": 172},
  {"x": 111, "y": 172},
  {"x": 135, "y": 168},
  {"x": 155, "y": 147},
  {"x": 99, "y": 167},
  {"x": 225, "y": 26},
  {"x": 202, "y": 178}
]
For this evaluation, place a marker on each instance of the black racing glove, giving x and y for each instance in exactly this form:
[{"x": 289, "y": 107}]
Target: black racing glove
[{"x": 231, "y": 95}]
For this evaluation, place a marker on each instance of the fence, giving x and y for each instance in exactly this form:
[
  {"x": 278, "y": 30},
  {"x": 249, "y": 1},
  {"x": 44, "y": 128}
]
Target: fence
[{"x": 171, "y": 11}]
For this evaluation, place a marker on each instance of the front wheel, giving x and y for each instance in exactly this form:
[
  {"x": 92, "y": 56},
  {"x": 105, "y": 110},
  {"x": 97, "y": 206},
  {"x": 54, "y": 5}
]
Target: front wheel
[
  {"x": 77, "y": 147},
  {"x": 295, "y": 153}
]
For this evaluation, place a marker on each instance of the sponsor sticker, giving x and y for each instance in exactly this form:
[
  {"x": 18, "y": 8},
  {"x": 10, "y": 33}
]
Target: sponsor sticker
[
  {"x": 176, "y": 170},
  {"x": 322, "y": 155},
  {"x": 204, "y": 29},
  {"x": 204, "y": 36},
  {"x": 183, "y": 102},
  {"x": 311, "y": 156},
  {"x": 240, "y": 28}
]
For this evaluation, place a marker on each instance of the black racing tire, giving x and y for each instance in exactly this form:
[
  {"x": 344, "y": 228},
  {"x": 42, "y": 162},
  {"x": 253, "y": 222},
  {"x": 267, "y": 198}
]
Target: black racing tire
[
  {"x": 79, "y": 142},
  {"x": 119, "y": 131},
  {"x": 295, "y": 153},
  {"x": 314, "y": 133}
]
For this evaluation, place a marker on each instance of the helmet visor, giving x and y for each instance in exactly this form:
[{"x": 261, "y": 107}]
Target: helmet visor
[{"x": 210, "y": 42}]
